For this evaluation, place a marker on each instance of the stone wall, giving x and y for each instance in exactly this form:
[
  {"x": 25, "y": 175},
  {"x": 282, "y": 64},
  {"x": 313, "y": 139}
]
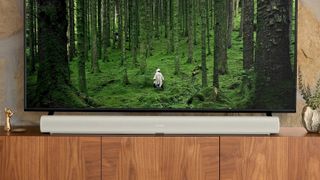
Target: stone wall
[{"x": 11, "y": 60}]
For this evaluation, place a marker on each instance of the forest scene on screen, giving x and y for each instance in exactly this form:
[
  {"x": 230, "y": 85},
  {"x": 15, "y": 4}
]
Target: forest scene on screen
[{"x": 160, "y": 54}]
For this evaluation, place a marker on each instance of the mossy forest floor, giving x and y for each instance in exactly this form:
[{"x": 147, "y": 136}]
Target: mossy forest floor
[{"x": 181, "y": 90}]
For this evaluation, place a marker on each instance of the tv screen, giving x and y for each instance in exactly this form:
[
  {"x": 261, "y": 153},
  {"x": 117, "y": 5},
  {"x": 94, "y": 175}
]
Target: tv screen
[{"x": 160, "y": 55}]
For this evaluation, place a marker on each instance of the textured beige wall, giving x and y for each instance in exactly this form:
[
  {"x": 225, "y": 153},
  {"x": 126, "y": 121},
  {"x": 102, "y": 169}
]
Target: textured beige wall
[{"x": 11, "y": 59}]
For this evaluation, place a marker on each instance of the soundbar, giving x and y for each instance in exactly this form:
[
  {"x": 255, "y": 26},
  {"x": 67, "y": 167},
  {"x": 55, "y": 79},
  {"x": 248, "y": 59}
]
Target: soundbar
[{"x": 159, "y": 124}]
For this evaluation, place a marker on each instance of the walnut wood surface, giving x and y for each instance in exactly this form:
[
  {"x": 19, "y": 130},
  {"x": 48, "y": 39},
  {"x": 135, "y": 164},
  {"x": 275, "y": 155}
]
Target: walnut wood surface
[
  {"x": 304, "y": 158},
  {"x": 253, "y": 158},
  {"x": 19, "y": 158},
  {"x": 2, "y": 154},
  {"x": 284, "y": 132},
  {"x": 290, "y": 155},
  {"x": 70, "y": 158},
  {"x": 161, "y": 158}
]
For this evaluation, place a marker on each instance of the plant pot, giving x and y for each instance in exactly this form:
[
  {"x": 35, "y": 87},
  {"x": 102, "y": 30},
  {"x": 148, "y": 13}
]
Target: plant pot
[{"x": 311, "y": 119}]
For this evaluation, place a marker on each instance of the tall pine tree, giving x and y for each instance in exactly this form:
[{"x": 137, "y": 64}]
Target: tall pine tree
[
  {"x": 220, "y": 32},
  {"x": 274, "y": 76},
  {"x": 31, "y": 40},
  {"x": 72, "y": 48},
  {"x": 190, "y": 31},
  {"x": 248, "y": 28},
  {"x": 203, "y": 5},
  {"x": 94, "y": 50},
  {"x": 53, "y": 82},
  {"x": 81, "y": 31}
]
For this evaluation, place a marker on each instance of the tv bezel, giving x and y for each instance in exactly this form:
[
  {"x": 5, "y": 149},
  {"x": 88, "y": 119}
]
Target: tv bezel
[{"x": 153, "y": 110}]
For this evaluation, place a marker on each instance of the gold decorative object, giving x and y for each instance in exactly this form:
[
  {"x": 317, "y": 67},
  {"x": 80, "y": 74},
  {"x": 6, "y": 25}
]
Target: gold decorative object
[{"x": 8, "y": 113}]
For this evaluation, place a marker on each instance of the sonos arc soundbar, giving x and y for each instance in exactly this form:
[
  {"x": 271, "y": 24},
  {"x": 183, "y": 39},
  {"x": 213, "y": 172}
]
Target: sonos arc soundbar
[{"x": 159, "y": 124}]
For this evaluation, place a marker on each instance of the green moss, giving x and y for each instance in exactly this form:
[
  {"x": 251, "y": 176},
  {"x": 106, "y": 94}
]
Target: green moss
[{"x": 106, "y": 87}]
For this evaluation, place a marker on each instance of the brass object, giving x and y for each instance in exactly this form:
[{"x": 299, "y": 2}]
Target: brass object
[{"x": 8, "y": 113}]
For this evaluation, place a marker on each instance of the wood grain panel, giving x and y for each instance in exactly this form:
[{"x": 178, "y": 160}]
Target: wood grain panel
[
  {"x": 70, "y": 158},
  {"x": 304, "y": 158},
  {"x": 21, "y": 158},
  {"x": 160, "y": 158},
  {"x": 2, "y": 154},
  {"x": 247, "y": 158}
]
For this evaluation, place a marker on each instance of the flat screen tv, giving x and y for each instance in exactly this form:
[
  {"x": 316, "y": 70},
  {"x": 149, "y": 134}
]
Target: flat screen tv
[{"x": 160, "y": 55}]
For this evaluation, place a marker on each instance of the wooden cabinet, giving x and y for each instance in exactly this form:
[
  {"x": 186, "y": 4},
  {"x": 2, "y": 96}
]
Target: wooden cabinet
[
  {"x": 20, "y": 158},
  {"x": 2, "y": 154},
  {"x": 109, "y": 158},
  {"x": 70, "y": 158},
  {"x": 160, "y": 158},
  {"x": 292, "y": 155},
  {"x": 304, "y": 158},
  {"x": 283, "y": 158},
  {"x": 50, "y": 158},
  {"x": 247, "y": 158}
]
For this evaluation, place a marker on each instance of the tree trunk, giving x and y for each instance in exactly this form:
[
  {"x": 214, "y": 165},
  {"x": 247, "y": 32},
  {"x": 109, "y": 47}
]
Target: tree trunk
[
  {"x": 148, "y": 28},
  {"x": 138, "y": 16},
  {"x": 134, "y": 32},
  {"x": 236, "y": 7},
  {"x": 208, "y": 25},
  {"x": 89, "y": 30},
  {"x": 106, "y": 30},
  {"x": 121, "y": 30},
  {"x": 32, "y": 58},
  {"x": 118, "y": 22},
  {"x": 195, "y": 21},
  {"x": 114, "y": 18},
  {"x": 168, "y": 24},
  {"x": 171, "y": 7},
  {"x": 35, "y": 31},
  {"x": 94, "y": 56},
  {"x": 203, "y": 4},
  {"x": 99, "y": 36},
  {"x": 71, "y": 31},
  {"x": 185, "y": 17},
  {"x": 81, "y": 26},
  {"x": 190, "y": 32},
  {"x": 152, "y": 18},
  {"x": 210, "y": 7},
  {"x": 274, "y": 77},
  {"x": 248, "y": 28},
  {"x": 122, "y": 39},
  {"x": 126, "y": 28},
  {"x": 107, "y": 10},
  {"x": 166, "y": 18},
  {"x": 86, "y": 29},
  {"x": 53, "y": 83},
  {"x": 220, "y": 39},
  {"x": 290, "y": 4},
  {"x": 157, "y": 19},
  {"x": 143, "y": 62},
  {"x": 230, "y": 22},
  {"x": 242, "y": 18},
  {"x": 180, "y": 17}
]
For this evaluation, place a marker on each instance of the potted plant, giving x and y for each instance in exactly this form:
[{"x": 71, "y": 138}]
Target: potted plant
[{"x": 310, "y": 113}]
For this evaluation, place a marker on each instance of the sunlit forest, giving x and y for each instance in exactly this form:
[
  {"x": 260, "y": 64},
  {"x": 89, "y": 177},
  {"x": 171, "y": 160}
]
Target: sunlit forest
[{"x": 213, "y": 54}]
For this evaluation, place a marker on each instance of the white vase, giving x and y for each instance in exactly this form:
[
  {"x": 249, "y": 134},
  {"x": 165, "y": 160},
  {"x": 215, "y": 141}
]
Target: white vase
[{"x": 311, "y": 119}]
